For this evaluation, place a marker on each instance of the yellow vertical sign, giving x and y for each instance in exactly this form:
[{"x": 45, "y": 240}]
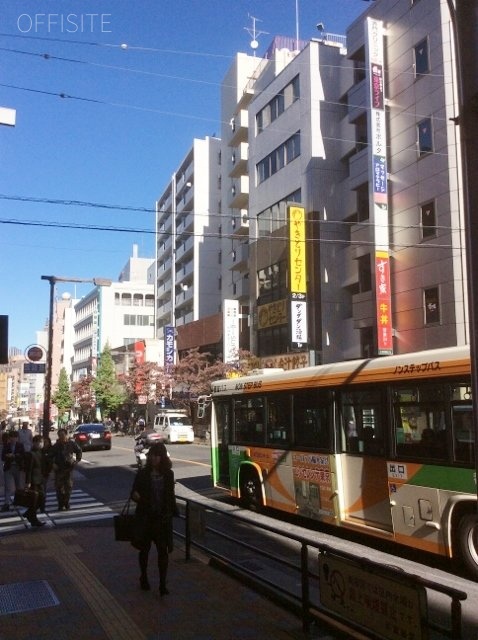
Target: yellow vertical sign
[{"x": 298, "y": 282}]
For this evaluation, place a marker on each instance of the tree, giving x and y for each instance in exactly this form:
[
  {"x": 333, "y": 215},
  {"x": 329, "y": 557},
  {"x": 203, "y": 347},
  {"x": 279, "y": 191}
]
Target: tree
[
  {"x": 63, "y": 397},
  {"x": 195, "y": 372},
  {"x": 85, "y": 402},
  {"x": 144, "y": 379},
  {"x": 109, "y": 392}
]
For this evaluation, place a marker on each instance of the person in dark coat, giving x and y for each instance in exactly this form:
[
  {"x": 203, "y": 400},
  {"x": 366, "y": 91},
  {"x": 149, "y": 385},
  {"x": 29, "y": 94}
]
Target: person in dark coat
[
  {"x": 34, "y": 472},
  {"x": 153, "y": 493},
  {"x": 13, "y": 454},
  {"x": 64, "y": 455}
]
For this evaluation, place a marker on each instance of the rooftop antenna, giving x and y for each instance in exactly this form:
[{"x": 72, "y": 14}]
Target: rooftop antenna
[
  {"x": 254, "y": 33},
  {"x": 297, "y": 25}
]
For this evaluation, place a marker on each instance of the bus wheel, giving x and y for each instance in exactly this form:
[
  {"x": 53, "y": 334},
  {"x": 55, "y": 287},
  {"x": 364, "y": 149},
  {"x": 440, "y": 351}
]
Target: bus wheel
[
  {"x": 468, "y": 538},
  {"x": 251, "y": 495}
]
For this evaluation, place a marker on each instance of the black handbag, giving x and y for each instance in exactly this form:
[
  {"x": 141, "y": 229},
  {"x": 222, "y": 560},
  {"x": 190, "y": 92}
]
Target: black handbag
[
  {"x": 25, "y": 498},
  {"x": 125, "y": 524}
]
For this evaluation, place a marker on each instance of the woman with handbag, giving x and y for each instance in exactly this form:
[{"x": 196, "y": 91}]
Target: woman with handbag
[{"x": 153, "y": 493}]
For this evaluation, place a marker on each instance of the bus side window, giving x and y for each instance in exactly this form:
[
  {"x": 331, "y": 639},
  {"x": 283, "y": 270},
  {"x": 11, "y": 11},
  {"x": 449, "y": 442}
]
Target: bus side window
[
  {"x": 279, "y": 422},
  {"x": 463, "y": 434},
  {"x": 249, "y": 421},
  {"x": 420, "y": 431},
  {"x": 362, "y": 422},
  {"x": 312, "y": 420}
]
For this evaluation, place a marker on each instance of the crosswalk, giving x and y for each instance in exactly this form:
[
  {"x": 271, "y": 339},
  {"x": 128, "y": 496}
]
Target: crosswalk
[{"x": 83, "y": 508}]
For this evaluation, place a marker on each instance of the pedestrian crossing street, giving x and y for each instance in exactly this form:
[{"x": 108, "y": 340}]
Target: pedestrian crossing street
[{"x": 83, "y": 508}]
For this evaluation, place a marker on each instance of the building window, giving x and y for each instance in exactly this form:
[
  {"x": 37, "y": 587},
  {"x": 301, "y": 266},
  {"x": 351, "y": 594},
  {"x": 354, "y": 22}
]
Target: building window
[
  {"x": 367, "y": 342},
  {"x": 275, "y": 216},
  {"x": 272, "y": 283},
  {"x": 365, "y": 273},
  {"x": 431, "y": 300},
  {"x": 259, "y": 122},
  {"x": 363, "y": 203},
  {"x": 425, "y": 137},
  {"x": 284, "y": 154},
  {"x": 131, "y": 320},
  {"x": 422, "y": 62},
  {"x": 278, "y": 105},
  {"x": 428, "y": 220}
]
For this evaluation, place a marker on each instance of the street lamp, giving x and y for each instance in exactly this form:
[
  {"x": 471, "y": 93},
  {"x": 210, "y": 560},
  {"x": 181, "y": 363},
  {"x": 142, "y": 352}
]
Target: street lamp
[{"x": 99, "y": 282}]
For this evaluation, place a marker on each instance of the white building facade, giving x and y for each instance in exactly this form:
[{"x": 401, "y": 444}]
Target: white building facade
[
  {"x": 117, "y": 315},
  {"x": 188, "y": 274}
]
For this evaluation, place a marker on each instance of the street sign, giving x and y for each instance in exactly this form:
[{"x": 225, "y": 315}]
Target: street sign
[
  {"x": 34, "y": 367},
  {"x": 34, "y": 353},
  {"x": 393, "y": 608}
]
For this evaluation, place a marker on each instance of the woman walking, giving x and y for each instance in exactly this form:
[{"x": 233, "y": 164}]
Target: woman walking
[{"x": 153, "y": 492}]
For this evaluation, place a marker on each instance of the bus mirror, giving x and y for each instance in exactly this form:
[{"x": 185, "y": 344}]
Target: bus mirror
[{"x": 203, "y": 401}]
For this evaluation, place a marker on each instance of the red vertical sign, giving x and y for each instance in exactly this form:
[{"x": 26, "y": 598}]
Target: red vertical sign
[{"x": 384, "y": 302}]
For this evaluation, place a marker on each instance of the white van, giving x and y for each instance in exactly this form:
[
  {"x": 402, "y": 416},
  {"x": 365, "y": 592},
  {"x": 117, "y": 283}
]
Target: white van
[{"x": 175, "y": 426}]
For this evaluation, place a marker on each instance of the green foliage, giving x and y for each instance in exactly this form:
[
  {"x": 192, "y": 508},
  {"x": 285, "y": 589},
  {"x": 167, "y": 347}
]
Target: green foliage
[
  {"x": 109, "y": 392},
  {"x": 63, "y": 398}
]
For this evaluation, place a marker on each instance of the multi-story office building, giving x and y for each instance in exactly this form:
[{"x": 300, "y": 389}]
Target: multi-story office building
[
  {"x": 188, "y": 228},
  {"x": 294, "y": 125},
  {"x": 405, "y": 90},
  {"x": 362, "y": 138},
  {"x": 117, "y": 315}
]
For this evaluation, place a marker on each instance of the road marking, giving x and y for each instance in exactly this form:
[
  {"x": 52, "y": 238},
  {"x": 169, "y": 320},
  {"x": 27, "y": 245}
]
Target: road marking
[
  {"x": 83, "y": 508},
  {"x": 200, "y": 464}
]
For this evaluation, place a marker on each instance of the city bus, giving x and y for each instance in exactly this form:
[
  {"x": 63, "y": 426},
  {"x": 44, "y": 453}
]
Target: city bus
[{"x": 384, "y": 446}]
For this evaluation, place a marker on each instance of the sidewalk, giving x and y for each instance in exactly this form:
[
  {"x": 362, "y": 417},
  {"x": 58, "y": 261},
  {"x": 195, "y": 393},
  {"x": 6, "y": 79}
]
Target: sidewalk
[{"x": 77, "y": 583}]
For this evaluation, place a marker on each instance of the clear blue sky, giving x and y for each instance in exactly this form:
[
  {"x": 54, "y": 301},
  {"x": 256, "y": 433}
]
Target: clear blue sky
[{"x": 130, "y": 119}]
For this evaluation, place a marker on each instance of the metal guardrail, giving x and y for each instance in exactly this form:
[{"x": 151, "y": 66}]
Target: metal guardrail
[{"x": 394, "y": 588}]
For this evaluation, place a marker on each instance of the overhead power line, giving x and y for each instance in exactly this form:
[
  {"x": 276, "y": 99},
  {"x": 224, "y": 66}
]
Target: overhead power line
[{"x": 109, "y": 228}]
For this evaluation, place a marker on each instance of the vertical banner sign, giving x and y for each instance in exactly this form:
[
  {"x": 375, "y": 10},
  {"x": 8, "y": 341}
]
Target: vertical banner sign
[
  {"x": 168, "y": 347},
  {"x": 94, "y": 343},
  {"x": 298, "y": 275},
  {"x": 138, "y": 360},
  {"x": 231, "y": 331},
  {"x": 139, "y": 352},
  {"x": 379, "y": 193}
]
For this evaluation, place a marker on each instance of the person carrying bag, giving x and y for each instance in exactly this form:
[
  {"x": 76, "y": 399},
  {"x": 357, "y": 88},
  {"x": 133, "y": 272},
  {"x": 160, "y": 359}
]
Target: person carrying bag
[{"x": 153, "y": 493}]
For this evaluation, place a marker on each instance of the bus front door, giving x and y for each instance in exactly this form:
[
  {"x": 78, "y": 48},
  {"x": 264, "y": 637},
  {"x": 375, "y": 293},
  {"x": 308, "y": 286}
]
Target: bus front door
[{"x": 224, "y": 422}]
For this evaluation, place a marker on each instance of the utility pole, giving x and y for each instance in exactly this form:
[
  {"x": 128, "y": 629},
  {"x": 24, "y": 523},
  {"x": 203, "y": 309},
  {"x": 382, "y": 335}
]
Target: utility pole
[{"x": 464, "y": 16}]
